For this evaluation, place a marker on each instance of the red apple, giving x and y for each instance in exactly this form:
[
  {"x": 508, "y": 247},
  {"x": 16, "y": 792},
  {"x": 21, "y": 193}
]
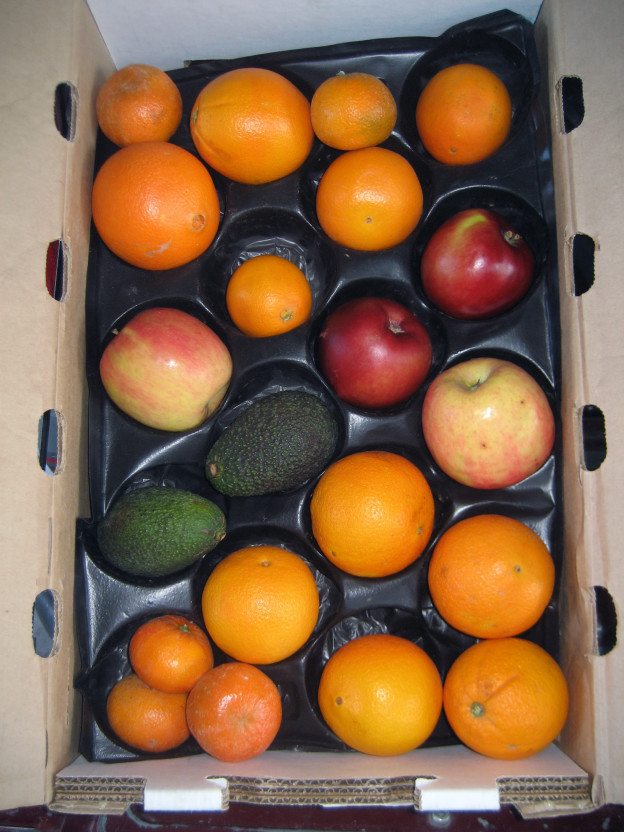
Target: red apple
[
  {"x": 374, "y": 352},
  {"x": 166, "y": 369},
  {"x": 476, "y": 265},
  {"x": 487, "y": 423}
]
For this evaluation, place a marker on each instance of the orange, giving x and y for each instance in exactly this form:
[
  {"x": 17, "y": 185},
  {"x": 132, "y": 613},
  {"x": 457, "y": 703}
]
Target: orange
[
  {"x": 268, "y": 295},
  {"x": 351, "y": 110},
  {"x": 155, "y": 205},
  {"x": 170, "y": 653},
  {"x": 146, "y": 718},
  {"x": 372, "y": 513},
  {"x": 260, "y": 604},
  {"x": 491, "y": 576},
  {"x": 252, "y": 125},
  {"x": 234, "y": 712},
  {"x": 381, "y": 694},
  {"x": 463, "y": 114},
  {"x": 369, "y": 199},
  {"x": 506, "y": 698},
  {"x": 138, "y": 103}
]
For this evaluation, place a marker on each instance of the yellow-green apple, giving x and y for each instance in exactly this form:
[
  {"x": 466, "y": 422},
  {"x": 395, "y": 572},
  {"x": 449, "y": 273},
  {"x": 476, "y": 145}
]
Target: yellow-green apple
[
  {"x": 374, "y": 352},
  {"x": 487, "y": 423},
  {"x": 166, "y": 369},
  {"x": 476, "y": 265}
]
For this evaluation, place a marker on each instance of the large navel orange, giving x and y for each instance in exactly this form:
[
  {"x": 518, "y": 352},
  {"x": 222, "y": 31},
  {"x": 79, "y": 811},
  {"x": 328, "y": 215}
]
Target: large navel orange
[
  {"x": 369, "y": 199},
  {"x": 351, "y": 110},
  {"x": 372, "y": 513},
  {"x": 463, "y": 114},
  {"x": 260, "y": 604},
  {"x": 252, "y": 125},
  {"x": 491, "y": 576},
  {"x": 381, "y": 694},
  {"x": 138, "y": 103},
  {"x": 155, "y": 205},
  {"x": 506, "y": 698}
]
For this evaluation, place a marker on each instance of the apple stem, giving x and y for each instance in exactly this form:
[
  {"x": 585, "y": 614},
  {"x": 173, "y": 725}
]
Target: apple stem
[
  {"x": 395, "y": 326},
  {"x": 511, "y": 237}
]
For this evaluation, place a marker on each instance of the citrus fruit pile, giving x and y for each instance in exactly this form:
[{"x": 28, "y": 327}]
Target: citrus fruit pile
[{"x": 375, "y": 512}]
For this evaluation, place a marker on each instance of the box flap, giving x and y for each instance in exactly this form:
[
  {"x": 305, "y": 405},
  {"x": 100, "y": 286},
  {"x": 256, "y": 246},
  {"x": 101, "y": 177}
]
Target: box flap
[
  {"x": 588, "y": 174},
  {"x": 46, "y": 195},
  {"x": 432, "y": 779}
]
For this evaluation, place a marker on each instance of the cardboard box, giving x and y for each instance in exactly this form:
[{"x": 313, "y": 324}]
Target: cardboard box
[{"x": 54, "y": 52}]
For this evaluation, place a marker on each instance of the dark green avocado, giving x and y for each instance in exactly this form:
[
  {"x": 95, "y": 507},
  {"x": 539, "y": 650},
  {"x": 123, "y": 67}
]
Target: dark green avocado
[
  {"x": 276, "y": 444},
  {"x": 156, "y": 531}
]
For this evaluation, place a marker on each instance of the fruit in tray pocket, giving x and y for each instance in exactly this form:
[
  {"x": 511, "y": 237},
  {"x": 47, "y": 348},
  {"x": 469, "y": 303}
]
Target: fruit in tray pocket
[
  {"x": 166, "y": 369},
  {"x": 252, "y": 125},
  {"x": 381, "y": 694},
  {"x": 487, "y": 423},
  {"x": 275, "y": 444},
  {"x": 154, "y": 531},
  {"x": 463, "y": 114},
  {"x": 234, "y": 712},
  {"x": 374, "y": 352},
  {"x": 155, "y": 205},
  {"x": 369, "y": 199},
  {"x": 506, "y": 698},
  {"x": 476, "y": 265}
]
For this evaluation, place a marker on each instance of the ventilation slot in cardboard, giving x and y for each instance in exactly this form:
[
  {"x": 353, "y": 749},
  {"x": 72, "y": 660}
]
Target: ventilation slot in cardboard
[
  {"x": 45, "y": 624},
  {"x": 50, "y": 442},
  {"x": 57, "y": 259},
  {"x": 65, "y": 104},
  {"x": 583, "y": 250},
  {"x": 572, "y": 103},
  {"x": 594, "y": 437},
  {"x": 605, "y": 623}
]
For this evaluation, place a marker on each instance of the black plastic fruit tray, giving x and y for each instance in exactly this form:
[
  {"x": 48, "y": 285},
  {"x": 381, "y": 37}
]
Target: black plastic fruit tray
[{"x": 280, "y": 218}]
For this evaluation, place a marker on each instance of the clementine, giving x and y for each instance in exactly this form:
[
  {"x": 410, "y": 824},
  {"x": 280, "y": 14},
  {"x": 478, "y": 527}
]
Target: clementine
[
  {"x": 491, "y": 576},
  {"x": 268, "y": 295},
  {"x": 369, "y": 199},
  {"x": 234, "y": 712},
  {"x": 146, "y": 718},
  {"x": 372, "y": 513},
  {"x": 506, "y": 698},
  {"x": 138, "y": 103},
  {"x": 252, "y": 125},
  {"x": 155, "y": 205},
  {"x": 260, "y": 604},
  {"x": 170, "y": 653},
  {"x": 381, "y": 694},
  {"x": 352, "y": 110},
  {"x": 463, "y": 114}
]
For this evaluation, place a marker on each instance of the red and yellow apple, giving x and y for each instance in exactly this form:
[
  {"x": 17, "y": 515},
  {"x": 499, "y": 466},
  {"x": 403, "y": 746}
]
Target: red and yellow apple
[
  {"x": 476, "y": 265},
  {"x": 487, "y": 423},
  {"x": 374, "y": 352},
  {"x": 166, "y": 369}
]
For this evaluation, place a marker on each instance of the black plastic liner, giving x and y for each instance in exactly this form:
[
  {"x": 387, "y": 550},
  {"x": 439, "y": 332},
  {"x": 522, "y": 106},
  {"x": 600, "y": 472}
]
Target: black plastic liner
[{"x": 280, "y": 218}]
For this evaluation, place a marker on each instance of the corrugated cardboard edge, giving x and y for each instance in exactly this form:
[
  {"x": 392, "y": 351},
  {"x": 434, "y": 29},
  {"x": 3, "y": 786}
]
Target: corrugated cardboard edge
[
  {"x": 584, "y": 40},
  {"x": 46, "y": 197}
]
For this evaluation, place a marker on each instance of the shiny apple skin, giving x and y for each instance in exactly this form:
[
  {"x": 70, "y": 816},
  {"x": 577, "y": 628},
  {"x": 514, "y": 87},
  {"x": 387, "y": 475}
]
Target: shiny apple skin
[
  {"x": 374, "y": 352},
  {"x": 166, "y": 369},
  {"x": 476, "y": 265},
  {"x": 487, "y": 423}
]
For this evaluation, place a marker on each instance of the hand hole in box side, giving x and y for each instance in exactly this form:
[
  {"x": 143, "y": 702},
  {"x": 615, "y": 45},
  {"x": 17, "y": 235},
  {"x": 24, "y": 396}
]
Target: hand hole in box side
[
  {"x": 50, "y": 442},
  {"x": 583, "y": 249},
  {"x": 65, "y": 106},
  {"x": 594, "y": 437},
  {"x": 570, "y": 88},
  {"x": 57, "y": 261},
  {"x": 45, "y": 623},
  {"x": 605, "y": 621}
]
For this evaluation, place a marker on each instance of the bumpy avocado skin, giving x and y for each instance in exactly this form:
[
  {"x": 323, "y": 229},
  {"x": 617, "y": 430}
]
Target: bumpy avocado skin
[
  {"x": 276, "y": 444},
  {"x": 156, "y": 531}
]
